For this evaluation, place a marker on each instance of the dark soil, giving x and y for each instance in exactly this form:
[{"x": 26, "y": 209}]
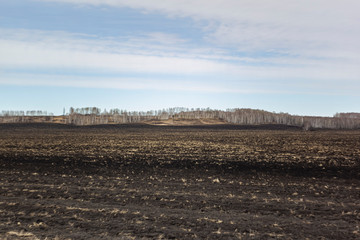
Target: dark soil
[{"x": 152, "y": 182}]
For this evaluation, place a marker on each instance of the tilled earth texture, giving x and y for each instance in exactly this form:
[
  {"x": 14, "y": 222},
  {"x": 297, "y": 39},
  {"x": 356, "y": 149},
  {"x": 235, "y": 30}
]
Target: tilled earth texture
[{"x": 204, "y": 182}]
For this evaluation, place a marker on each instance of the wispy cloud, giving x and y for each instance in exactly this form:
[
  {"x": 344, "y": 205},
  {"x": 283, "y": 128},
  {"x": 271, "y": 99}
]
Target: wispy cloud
[
  {"x": 59, "y": 50},
  {"x": 184, "y": 68},
  {"x": 124, "y": 83},
  {"x": 282, "y": 46},
  {"x": 313, "y": 28},
  {"x": 31, "y": 48}
]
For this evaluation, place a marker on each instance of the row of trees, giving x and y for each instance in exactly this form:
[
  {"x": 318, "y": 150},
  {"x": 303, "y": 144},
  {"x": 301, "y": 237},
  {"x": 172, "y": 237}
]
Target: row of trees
[
  {"x": 25, "y": 113},
  {"x": 235, "y": 116},
  {"x": 93, "y": 116},
  {"x": 25, "y": 116},
  {"x": 347, "y": 115},
  {"x": 27, "y": 119},
  {"x": 116, "y": 111},
  {"x": 255, "y": 117}
]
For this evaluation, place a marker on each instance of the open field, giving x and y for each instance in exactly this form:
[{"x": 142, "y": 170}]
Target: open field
[{"x": 178, "y": 182}]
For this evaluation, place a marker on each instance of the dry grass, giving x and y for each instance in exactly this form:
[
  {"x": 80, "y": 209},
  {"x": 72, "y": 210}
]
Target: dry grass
[{"x": 186, "y": 122}]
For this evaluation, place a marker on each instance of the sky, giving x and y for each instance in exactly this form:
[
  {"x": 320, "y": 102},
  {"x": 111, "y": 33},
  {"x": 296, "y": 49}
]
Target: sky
[{"x": 300, "y": 57}]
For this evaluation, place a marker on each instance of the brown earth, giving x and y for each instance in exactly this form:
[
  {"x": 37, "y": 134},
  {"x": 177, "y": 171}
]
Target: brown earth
[
  {"x": 172, "y": 182},
  {"x": 186, "y": 122}
]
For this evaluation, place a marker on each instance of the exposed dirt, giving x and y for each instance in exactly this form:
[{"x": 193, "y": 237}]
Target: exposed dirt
[
  {"x": 185, "y": 122},
  {"x": 212, "y": 182}
]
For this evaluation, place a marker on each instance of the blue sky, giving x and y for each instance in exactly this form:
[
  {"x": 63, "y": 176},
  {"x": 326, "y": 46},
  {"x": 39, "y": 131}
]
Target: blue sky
[{"x": 300, "y": 57}]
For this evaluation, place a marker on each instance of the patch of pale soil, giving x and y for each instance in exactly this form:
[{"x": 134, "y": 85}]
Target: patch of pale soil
[{"x": 186, "y": 122}]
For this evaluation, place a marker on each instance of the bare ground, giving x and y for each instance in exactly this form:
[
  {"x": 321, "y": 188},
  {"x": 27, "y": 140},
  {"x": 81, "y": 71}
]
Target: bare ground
[{"x": 148, "y": 182}]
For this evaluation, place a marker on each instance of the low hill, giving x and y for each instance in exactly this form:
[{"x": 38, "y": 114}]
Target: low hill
[{"x": 186, "y": 117}]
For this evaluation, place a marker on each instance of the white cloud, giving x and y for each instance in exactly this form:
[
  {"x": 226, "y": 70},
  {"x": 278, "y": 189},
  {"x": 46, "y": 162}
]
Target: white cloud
[
  {"x": 189, "y": 85},
  {"x": 312, "y": 47},
  {"x": 61, "y": 50},
  {"x": 326, "y": 30},
  {"x": 164, "y": 38},
  {"x": 281, "y": 14},
  {"x": 120, "y": 83}
]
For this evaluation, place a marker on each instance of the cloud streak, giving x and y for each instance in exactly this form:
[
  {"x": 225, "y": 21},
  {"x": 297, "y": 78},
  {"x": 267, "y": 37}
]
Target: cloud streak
[
  {"x": 312, "y": 29},
  {"x": 248, "y": 46},
  {"x": 289, "y": 22},
  {"x": 38, "y": 49}
]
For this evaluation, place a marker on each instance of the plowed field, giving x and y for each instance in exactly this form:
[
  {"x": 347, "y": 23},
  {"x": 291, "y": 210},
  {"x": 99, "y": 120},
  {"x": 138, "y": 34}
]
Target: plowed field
[{"x": 161, "y": 182}]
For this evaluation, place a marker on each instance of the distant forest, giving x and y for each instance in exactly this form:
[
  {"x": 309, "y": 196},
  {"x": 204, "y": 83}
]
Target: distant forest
[{"x": 95, "y": 116}]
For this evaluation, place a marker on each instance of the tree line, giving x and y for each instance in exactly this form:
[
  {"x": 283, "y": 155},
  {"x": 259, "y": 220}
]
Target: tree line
[
  {"x": 244, "y": 116},
  {"x": 25, "y": 113}
]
